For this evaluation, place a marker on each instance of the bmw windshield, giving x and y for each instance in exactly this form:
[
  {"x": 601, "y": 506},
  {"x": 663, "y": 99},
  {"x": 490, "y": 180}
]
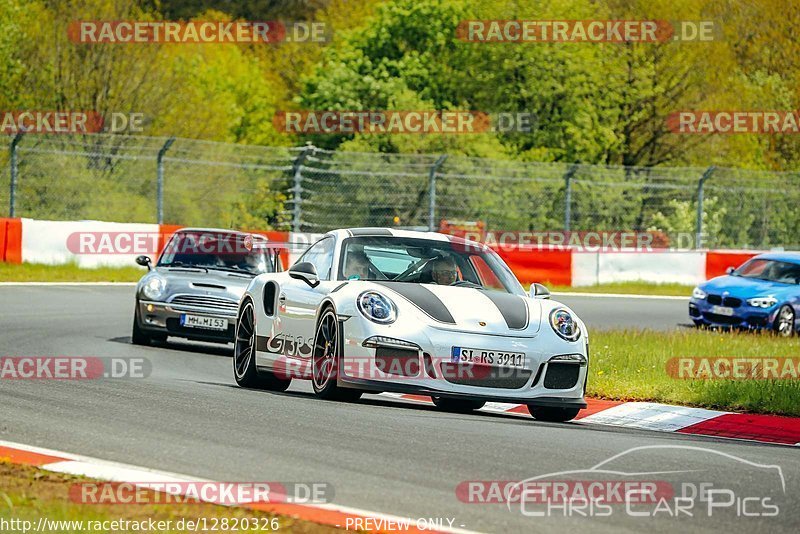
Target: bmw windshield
[
  {"x": 770, "y": 270},
  {"x": 423, "y": 261}
]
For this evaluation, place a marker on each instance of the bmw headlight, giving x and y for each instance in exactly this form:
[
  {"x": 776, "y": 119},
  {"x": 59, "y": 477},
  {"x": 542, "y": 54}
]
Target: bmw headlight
[
  {"x": 698, "y": 293},
  {"x": 762, "y": 302},
  {"x": 377, "y": 308},
  {"x": 564, "y": 324},
  {"x": 154, "y": 288}
]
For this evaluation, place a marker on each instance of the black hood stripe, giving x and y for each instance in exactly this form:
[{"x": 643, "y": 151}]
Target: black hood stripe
[
  {"x": 423, "y": 298},
  {"x": 513, "y": 308}
]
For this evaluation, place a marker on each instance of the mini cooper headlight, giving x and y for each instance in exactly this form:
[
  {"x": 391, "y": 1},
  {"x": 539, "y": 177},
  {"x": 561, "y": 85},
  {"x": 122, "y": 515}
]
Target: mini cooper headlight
[
  {"x": 698, "y": 293},
  {"x": 564, "y": 324},
  {"x": 154, "y": 288},
  {"x": 762, "y": 302},
  {"x": 377, "y": 308}
]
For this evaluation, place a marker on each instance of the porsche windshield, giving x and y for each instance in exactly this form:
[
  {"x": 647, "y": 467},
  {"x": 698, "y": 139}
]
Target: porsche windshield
[
  {"x": 770, "y": 270},
  {"x": 218, "y": 251},
  {"x": 424, "y": 261}
]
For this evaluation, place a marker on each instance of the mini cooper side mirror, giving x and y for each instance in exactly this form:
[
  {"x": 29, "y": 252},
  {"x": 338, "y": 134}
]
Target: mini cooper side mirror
[
  {"x": 538, "y": 291},
  {"x": 144, "y": 261},
  {"x": 306, "y": 272}
]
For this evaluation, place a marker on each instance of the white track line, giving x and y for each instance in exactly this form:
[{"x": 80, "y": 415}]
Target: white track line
[{"x": 75, "y": 464}]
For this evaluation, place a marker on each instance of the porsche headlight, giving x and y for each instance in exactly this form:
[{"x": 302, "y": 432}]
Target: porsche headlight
[
  {"x": 762, "y": 302},
  {"x": 698, "y": 293},
  {"x": 154, "y": 288},
  {"x": 377, "y": 308},
  {"x": 564, "y": 324}
]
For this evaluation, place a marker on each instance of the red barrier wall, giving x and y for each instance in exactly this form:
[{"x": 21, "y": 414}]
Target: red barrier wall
[
  {"x": 543, "y": 266},
  {"x": 11, "y": 240},
  {"x": 718, "y": 262}
]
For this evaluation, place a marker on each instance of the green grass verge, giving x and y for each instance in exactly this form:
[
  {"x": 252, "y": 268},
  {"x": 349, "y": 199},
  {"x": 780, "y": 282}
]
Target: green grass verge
[
  {"x": 28, "y": 494},
  {"x": 631, "y": 288},
  {"x": 37, "y": 272},
  {"x": 632, "y": 365}
]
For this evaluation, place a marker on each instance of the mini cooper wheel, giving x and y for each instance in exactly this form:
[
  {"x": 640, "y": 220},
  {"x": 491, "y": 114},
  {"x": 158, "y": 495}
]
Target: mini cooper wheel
[
  {"x": 457, "y": 405},
  {"x": 784, "y": 321},
  {"x": 140, "y": 337},
  {"x": 244, "y": 356},
  {"x": 553, "y": 415},
  {"x": 325, "y": 360}
]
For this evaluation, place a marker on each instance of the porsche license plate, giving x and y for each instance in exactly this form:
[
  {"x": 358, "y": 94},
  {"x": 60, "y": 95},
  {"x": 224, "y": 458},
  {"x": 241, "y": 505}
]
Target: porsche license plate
[
  {"x": 199, "y": 321},
  {"x": 495, "y": 358},
  {"x": 722, "y": 310}
]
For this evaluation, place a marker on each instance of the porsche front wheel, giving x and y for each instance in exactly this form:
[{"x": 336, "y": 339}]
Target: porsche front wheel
[
  {"x": 553, "y": 415},
  {"x": 325, "y": 360},
  {"x": 457, "y": 405},
  {"x": 244, "y": 356}
]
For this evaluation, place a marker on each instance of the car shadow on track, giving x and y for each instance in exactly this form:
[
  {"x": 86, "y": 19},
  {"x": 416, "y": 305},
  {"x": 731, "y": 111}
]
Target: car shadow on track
[{"x": 195, "y": 347}]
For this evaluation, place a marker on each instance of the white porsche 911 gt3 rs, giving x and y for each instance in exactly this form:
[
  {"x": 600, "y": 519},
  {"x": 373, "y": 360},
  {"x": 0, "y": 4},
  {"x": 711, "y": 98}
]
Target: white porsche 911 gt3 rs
[{"x": 375, "y": 310}]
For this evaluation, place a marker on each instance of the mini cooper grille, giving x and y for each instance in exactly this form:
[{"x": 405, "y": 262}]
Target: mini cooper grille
[
  {"x": 484, "y": 376},
  {"x": 731, "y": 302},
  {"x": 209, "y": 303}
]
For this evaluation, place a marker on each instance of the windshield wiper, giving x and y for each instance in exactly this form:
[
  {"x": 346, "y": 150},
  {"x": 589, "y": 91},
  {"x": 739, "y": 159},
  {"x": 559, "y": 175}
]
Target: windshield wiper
[
  {"x": 179, "y": 265},
  {"x": 234, "y": 270}
]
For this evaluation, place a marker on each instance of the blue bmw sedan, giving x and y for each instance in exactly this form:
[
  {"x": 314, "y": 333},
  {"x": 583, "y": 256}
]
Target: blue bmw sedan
[{"x": 764, "y": 293}]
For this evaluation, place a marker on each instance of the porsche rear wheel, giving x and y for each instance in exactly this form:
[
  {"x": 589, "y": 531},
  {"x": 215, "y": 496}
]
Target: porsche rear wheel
[
  {"x": 325, "y": 360},
  {"x": 553, "y": 415},
  {"x": 784, "y": 321},
  {"x": 244, "y": 356},
  {"x": 457, "y": 405}
]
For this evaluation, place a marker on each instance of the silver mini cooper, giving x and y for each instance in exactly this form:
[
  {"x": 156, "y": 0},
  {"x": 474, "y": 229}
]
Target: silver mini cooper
[{"x": 194, "y": 289}]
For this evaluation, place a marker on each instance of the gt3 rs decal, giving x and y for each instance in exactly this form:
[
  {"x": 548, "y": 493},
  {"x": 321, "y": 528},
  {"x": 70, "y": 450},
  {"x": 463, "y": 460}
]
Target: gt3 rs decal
[
  {"x": 423, "y": 298},
  {"x": 513, "y": 308},
  {"x": 293, "y": 347}
]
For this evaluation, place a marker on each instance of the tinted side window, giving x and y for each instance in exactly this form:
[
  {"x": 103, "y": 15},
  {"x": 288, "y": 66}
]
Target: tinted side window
[{"x": 321, "y": 255}]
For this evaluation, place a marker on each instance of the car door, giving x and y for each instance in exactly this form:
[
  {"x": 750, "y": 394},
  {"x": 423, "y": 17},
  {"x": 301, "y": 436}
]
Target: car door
[{"x": 299, "y": 301}]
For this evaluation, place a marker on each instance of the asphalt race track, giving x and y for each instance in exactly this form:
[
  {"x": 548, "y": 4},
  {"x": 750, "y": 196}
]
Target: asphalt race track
[{"x": 380, "y": 455}]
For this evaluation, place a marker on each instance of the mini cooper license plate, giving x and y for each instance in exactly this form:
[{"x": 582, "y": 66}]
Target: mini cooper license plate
[
  {"x": 722, "y": 310},
  {"x": 496, "y": 358},
  {"x": 198, "y": 321}
]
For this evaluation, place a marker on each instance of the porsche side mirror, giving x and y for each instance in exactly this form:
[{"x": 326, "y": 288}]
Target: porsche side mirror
[
  {"x": 306, "y": 272},
  {"x": 144, "y": 261},
  {"x": 538, "y": 291},
  {"x": 730, "y": 270}
]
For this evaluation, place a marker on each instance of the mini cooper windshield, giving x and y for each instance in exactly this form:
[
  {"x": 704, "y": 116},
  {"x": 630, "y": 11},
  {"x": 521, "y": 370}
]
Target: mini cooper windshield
[
  {"x": 424, "y": 261},
  {"x": 218, "y": 251},
  {"x": 770, "y": 270}
]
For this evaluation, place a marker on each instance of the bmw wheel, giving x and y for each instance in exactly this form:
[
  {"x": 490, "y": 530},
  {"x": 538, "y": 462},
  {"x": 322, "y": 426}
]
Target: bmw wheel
[
  {"x": 784, "y": 321},
  {"x": 244, "y": 356},
  {"x": 553, "y": 415},
  {"x": 325, "y": 360}
]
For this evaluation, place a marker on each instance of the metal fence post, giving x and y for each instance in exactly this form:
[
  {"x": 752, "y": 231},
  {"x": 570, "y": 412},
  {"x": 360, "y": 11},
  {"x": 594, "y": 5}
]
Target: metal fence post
[
  {"x": 568, "y": 197},
  {"x": 297, "y": 188},
  {"x": 699, "y": 223},
  {"x": 160, "y": 180},
  {"x": 432, "y": 192},
  {"x": 14, "y": 165}
]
